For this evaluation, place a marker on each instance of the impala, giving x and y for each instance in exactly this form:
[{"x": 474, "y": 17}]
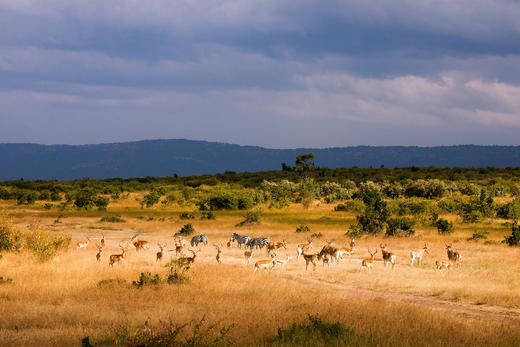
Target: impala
[
  {"x": 388, "y": 257},
  {"x": 329, "y": 252},
  {"x": 303, "y": 248},
  {"x": 273, "y": 246},
  {"x": 453, "y": 254},
  {"x": 418, "y": 254},
  {"x": 100, "y": 249},
  {"x": 83, "y": 244},
  {"x": 310, "y": 258},
  {"x": 347, "y": 251},
  {"x": 179, "y": 245},
  {"x": 118, "y": 257},
  {"x": 367, "y": 262},
  {"x": 248, "y": 255},
  {"x": 159, "y": 255},
  {"x": 219, "y": 251},
  {"x": 140, "y": 244},
  {"x": 102, "y": 239},
  {"x": 188, "y": 260},
  {"x": 264, "y": 264},
  {"x": 282, "y": 262},
  {"x": 448, "y": 264}
]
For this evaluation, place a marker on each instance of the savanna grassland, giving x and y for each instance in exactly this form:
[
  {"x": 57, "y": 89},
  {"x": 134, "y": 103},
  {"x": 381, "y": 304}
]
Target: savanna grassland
[{"x": 70, "y": 296}]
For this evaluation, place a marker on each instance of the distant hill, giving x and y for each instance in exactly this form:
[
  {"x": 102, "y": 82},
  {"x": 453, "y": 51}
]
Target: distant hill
[{"x": 186, "y": 157}]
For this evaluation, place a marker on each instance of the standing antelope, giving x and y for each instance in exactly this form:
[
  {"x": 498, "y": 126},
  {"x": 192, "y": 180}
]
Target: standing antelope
[
  {"x": 179, "y": 245},
  {"x": 100, "y": 249},
  {"x": 329, "y": 253},
  {"x": 102, "y": 239},
  {"x": 264, "y": 264},
  {"x": 367, "y": 262},
  {"x": 418, "y": 254},
  {"x": 118, "y": 257},
  {"x": 273, "y": 246},
  {"x": 83, "y": 244},
  {"x": 228, "y": 244},
  {"x": 282, "y": 262},
  {"x": 159, "y": 255},
  {"x": 388, "y": 257},
  {"x": 188, "y": 260},
  {"x": 140, "y": 244},
  {"x": 453, "y": 254},
  {"x": 219, "y": 251},
  {"x": 310, "y": 258},
  {"x": 448, "y": 264},
  {"x": 248, "y": 255},
  {"x": 347, "y": 251},
  {"x": 303, "y": 248}
]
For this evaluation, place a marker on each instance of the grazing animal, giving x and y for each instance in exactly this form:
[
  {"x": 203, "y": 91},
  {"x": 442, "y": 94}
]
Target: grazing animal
[
  {"x": 188, "y": 260},
  {"x": 273, "y": 246},
  {"x": 228, "y": 244},
  {"x": 179, "y": 245},
  {"x": 219, "y": 251},
  {"x": 83, "y": 244},
  {"x": 100, "y": 249},
  {"x": 102, "y": 239},
  {"x": 330, "y": 252},
  {"x": 418, "y": 254},
  {"x": 282, "y": 262},
  {"x": 241, "y": 240},
  {"x": 258, "y": 242},
  {"x": 195, "y": 240},
  {"x": 303, "y": 248},
  {"x": 159, "y": 255},
  {"x": 453, "y": 254},
  {"x": 140, "y": 244},
  {"x": 310, "y": 258},
  {"x": 264, "y": 264},
  {"x": 388, "y": 257},
  {"x": 347, "y": 251},
  {"x": 248, "y": 255},
  {"x": 367, "y": 262},
  {"x": 118, "y": 257},
  {"x": 448, "y": 264}
]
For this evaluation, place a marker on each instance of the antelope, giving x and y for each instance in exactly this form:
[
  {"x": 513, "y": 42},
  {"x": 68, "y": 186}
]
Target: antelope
[
  {"x": 388, "y": 257},
  {"x": 100, "y": 249},
  {"x": 219, "y": 251},
  {"x": 310, "y": 258},
  {"x": 228, "y": 244},
  {"x": 368, "y": 261},
  {"x": 118, "y": 257},
  {"x": 453, "y": 255},
  {"x": 418, "y": 254},
  {"x": 348, "y": 251},
  {"x": 330, "y": 252},
  {"x": 179, "y": 246},
  {"x": 264, "y": 264},
  {"x": 83, "y": 244},
  {"x": 102, "y": 239},
  {"x": 448, "y": 264},
  {"x": 273, "y": 246},
  {"x": 282, "y": 262},
  {"x": 158, "y": 256},
  {"x": 248, "y": 255},
  {"x": 140, "y": 244},
  {"x": 327, "y": 259},
  {"x": 303, "y": 248},
  {"x": 188, "y": 260}
]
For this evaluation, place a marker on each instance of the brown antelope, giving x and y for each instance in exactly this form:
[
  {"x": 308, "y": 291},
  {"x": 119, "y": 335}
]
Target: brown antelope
[
  {"x": 228, "y": 244},
  {"x": 100, "y": 249},
  {"x": 448, "y": 264},
  {"x": 159, "y": 255},
  {"x": 248, "y": 255},
  {"x": 418, "y": 254},
  {"x": 273, "y": 246},
  {"x": 102, "y": 239},
  {"x": 388, "y": 257},
  {"x": 310, "y": 258},
  {"x": 83, "y": 244},
  {"x": 219, "y": 251},
  {"x": 347, "y": 251},
  {"x": 188, "y": 260},
  {"x": 367, "y": 262},
  {"x": 140, "y": 244},
  {"x": 118, "y": 257},
  {"x": 282, "y": 262},
  {"x": 264, "y": 264},
  {"x": 329, "y": 252},
  {"x": 179, "y": 245},
  {"x": 303, "y": 248},
  {"x": 453, "y": 254}
]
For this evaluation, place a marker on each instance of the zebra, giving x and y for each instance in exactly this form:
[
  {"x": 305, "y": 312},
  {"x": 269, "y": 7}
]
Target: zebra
[
  {"x": 202, "y": 238},
  {"x": 258, "y": 242},
  {"x": 241, "y": 240}
]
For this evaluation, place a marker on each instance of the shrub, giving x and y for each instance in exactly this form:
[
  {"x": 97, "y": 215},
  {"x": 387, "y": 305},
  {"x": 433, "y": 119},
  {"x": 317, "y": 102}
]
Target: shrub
[
  {"x": 109, "y": 282},
  {"x": 444, "y": 226},
  {"x": 112, "y": 219},
  {"x": 47, "y": 206},
  {"x": 479, "y": 235},
  {"x": 45, "y": 246},
  {"x": 147, "y": 279},
  {"x": 400, "y": 227},
  {"x": 187, "y": 215},
  {"x": 208, "y": 215},
  {"x": 10, "y": 236},
  {"x": 178, "y": 272},
  {"x": 186, "y": 230},
  {"x": 303, "y": 228},
  {"x": 316, "y": 235},
  {"x": 251, "y": 217},
  {"x": 472, "y": 217},
  {"x": 514, "y": 238}
]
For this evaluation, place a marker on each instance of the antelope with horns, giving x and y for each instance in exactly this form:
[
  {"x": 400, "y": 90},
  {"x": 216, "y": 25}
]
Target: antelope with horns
[
  {"x": 100, "y": 249},
  {"x": 418, "y": 254},
  {"x": 118, "y": 257},
  {"x": 102, "y": 239},
  {"x": 388, "y": 257},
  {"x": 265, "y": 263},
  {"x": 367, "y": 262},
  {"x": 140, "y": 244},
  {"x": 453, "y": 254},
  {"x": 282, "y": 262},
  {"x": 303, "y": 248},
  {"x": 159, "y": 255},
  {"x": 347, "y": 251},
  {"x": 179, "y": 245},
  {"x": 83, "y": 244},
  {"x": 310, "y": 258},
  {"x": 274, "y": 246},
  {"x": 248, "y": 255},
  {"x": 329, "y": 252},
  {"x": 219, "y": 251},
  {"x": 188, "y": 260}
]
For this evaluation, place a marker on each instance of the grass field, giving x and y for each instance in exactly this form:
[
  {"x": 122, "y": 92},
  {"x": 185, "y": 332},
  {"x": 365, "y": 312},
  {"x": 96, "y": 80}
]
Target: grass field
[{"x": 60, "y": 301}]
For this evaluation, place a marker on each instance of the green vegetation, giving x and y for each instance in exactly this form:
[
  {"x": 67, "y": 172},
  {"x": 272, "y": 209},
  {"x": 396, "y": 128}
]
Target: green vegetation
[
  {"x": 251, "y": 217},
  {"x": 186, "y": 230},
  {"x": 302, "y": 228},
  {"x": 45, "y": 246},
  {"x": 514, "y": 238},
  {"x": 444, "y": 226},
  {"x": 112, "y": 219}
]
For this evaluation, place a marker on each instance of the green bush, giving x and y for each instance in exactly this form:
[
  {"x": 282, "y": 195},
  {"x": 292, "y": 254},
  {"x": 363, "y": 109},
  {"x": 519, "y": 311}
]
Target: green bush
[
  {"x": 10, "y": 236},
  {"x": 112, "y": 219},
  {"x": 401, "y": 226},
  {"x": 186, "y": 230},
  {"x": 444, "y": 226},
  {"x": 472, "y": 217},
  {"x": 316, "y": 235},
  {"x": 45, "y": 246},
  {"x": 303, "y": 228},
  {"x": 208, "y": 215},
  {"x": 251, "y": 217},
  {"x": 479, "y": 235},
  {"x": 47, "y": 206},
  {"x": 187, "y": 215},
  {"x": 340, "y": 208},
  {"x": 514, "y": 238},
  {"x": 147, "y": 279}
]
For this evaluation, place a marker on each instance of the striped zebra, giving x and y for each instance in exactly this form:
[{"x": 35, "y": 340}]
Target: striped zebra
[
  {"x": 202, "y": 238},
  {"x": 241, "y": 240},
  {"x": 258, "y": 242}
]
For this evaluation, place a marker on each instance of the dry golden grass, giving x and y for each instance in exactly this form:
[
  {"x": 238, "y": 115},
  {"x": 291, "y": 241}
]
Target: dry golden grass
[{"x": 59, "y": 302}]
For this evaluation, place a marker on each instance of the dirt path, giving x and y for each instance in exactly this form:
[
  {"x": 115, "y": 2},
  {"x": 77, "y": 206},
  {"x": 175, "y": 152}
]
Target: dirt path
[{"x": 464, "y": 310}]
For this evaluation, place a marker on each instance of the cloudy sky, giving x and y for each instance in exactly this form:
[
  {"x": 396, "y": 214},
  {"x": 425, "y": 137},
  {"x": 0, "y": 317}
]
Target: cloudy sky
[{"x": 278, "y": 74}]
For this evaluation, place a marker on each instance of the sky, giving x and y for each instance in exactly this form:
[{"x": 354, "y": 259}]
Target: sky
[{"x": 277, "y": 74}]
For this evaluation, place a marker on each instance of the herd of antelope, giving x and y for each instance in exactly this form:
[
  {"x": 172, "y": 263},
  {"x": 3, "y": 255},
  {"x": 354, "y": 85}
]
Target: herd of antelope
[{"x": 329, "y": 254}]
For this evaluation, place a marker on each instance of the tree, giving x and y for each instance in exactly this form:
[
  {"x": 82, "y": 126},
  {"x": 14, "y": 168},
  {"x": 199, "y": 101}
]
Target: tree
[{"x": 304, "y": 164}]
